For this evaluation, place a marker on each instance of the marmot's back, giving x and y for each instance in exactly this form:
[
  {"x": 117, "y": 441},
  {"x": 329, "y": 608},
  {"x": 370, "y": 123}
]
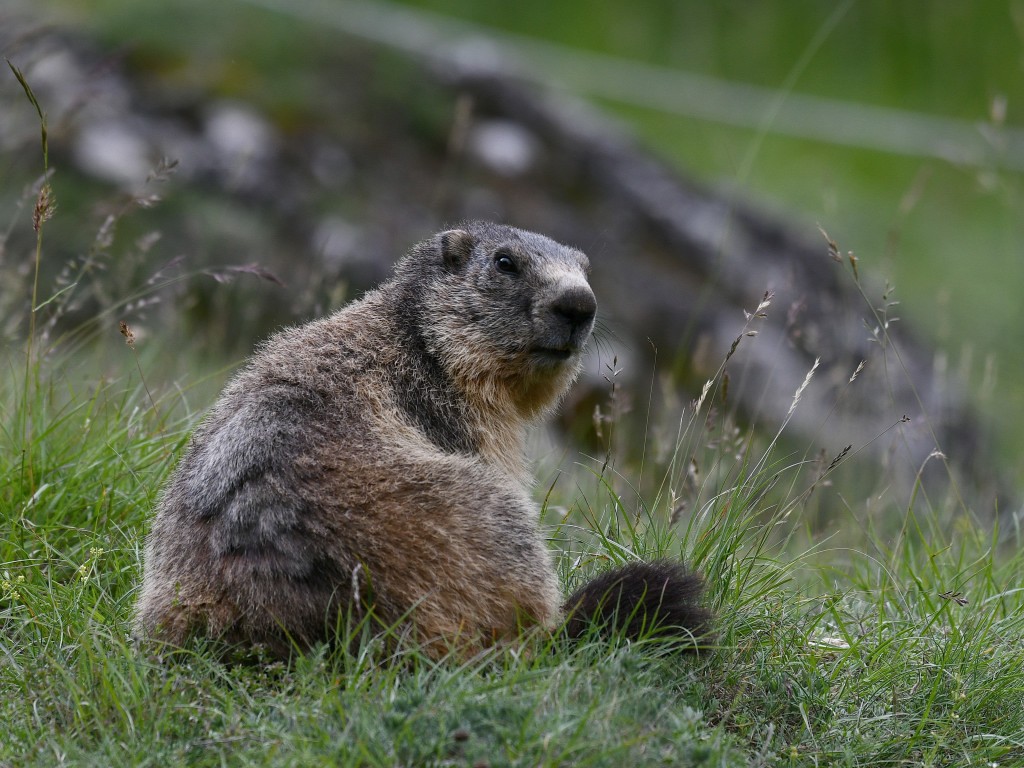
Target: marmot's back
[{"x": 374, "y": 458}]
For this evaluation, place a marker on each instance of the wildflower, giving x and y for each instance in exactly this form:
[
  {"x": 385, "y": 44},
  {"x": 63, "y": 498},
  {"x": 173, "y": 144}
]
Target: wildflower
[{"x": 10, "y": 589}]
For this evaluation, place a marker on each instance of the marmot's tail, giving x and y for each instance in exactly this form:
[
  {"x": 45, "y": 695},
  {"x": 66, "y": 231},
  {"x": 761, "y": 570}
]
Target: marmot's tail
[{"x": 640, "y": 599}]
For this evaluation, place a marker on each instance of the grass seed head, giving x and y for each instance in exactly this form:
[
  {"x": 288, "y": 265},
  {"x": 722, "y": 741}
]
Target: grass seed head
[
  {"x": 45, "y": 207},
  {"x": 128, "y": 333}
]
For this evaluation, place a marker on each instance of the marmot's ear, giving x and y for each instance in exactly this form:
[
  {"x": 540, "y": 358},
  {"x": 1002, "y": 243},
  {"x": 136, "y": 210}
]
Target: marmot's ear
[{"x": 456, "y": 247}]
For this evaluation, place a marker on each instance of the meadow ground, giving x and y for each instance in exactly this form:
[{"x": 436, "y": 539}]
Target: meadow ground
[{"x": 897, "y": 641}]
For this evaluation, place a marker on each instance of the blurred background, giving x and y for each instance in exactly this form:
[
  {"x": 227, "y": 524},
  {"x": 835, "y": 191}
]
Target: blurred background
[{"x": 222, "y": 169}]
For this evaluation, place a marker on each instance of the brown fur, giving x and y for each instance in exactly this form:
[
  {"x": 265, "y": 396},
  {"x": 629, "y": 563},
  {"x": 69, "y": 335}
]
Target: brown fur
[{"x": 379, "y": 452}]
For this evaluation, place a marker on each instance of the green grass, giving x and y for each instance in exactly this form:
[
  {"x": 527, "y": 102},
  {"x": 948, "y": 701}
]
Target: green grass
[
  {"x": 896, "y": 645},
  {"x": 861, "y": 656}
]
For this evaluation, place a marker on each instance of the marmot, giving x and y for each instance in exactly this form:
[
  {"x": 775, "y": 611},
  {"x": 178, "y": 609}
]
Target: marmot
[{"x": 378, "y": 454}]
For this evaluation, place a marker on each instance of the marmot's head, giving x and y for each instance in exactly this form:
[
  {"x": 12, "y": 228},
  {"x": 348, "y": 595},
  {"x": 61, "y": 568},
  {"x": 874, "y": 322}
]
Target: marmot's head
[{"x": 507, "y": 312}]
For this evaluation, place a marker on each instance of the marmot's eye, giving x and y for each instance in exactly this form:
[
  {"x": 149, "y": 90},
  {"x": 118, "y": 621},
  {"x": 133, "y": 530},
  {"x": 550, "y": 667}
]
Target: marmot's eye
[{"x": 505, "y": 263}]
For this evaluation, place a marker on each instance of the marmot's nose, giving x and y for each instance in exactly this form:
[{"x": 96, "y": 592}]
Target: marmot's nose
[{"x": 577, "y": 306}]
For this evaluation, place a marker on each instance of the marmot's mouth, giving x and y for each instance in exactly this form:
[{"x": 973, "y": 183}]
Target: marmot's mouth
[{"x": 554, "y": 353}]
